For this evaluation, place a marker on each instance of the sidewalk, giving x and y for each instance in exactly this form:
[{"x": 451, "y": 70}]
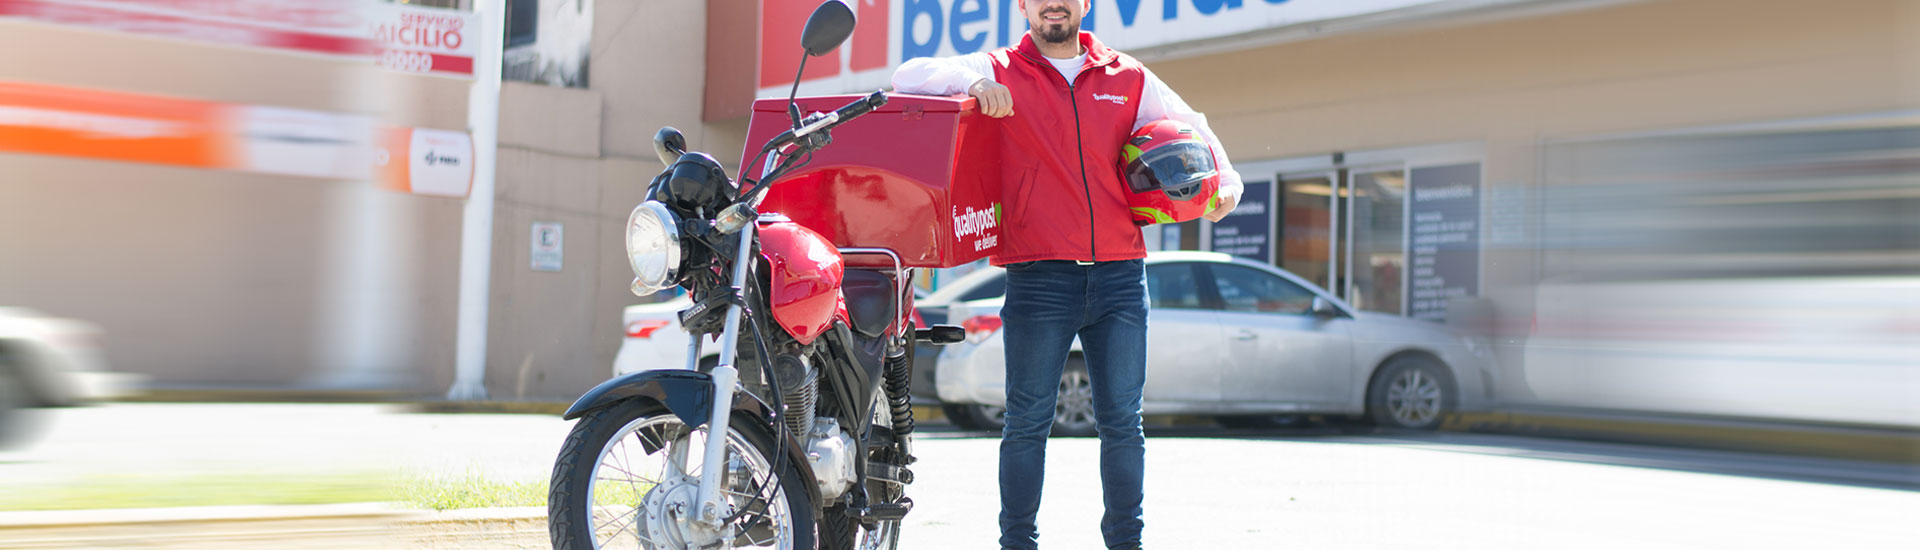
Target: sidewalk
[{"x": 1314, "y": 488}]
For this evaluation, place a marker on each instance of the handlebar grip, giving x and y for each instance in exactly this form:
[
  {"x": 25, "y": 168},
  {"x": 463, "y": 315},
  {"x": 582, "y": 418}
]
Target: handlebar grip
[{"x": 862, "y": 106}]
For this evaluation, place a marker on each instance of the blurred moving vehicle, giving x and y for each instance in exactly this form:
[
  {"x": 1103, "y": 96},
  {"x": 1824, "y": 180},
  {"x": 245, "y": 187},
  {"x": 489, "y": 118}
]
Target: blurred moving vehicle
[
  {"x": 1247, "y": 343},
  {"x": 53, "y": 362},
  {"x": 1737, "y": 273}
]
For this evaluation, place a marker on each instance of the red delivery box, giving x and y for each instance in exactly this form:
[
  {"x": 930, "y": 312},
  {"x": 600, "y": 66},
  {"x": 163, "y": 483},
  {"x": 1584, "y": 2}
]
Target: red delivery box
[{"x": 919, "y": 175}]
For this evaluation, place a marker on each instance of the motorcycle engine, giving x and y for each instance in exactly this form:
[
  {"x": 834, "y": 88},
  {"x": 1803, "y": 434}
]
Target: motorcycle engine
[
  {"x": 831, "y": 453},
  {"x": 799, "y": 391}
]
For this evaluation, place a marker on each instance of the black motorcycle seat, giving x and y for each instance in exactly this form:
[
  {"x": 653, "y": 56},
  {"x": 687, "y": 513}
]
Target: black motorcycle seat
[{"x": 870, "y": 301}]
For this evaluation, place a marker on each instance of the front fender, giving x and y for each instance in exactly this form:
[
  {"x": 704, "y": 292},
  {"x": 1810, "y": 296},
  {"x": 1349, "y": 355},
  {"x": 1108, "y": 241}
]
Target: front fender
[{"x": 688, "y": 394}]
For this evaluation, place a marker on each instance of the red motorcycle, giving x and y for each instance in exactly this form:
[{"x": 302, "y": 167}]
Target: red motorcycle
[{"x": 800, "y": 436}]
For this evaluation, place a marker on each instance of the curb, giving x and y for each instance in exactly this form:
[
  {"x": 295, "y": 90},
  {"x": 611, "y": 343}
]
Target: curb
[
  {"x": 61, "y": 519},
  {"x": 245, "y": 395},
  {"x": 355, "y": 525},
  {"x": 546, "y": 408},
  {"x": 194, "y": 514},
  {"x": 1891, "y": 445}
]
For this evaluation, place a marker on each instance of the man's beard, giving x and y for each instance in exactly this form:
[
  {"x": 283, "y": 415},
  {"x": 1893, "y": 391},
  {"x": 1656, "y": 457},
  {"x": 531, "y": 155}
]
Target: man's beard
[{"x": 1066, "y": 32}]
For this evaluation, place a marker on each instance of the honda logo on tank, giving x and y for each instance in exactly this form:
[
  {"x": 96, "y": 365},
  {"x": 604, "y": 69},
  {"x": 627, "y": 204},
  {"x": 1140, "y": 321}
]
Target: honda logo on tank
[{"x": 893, "y": 31}]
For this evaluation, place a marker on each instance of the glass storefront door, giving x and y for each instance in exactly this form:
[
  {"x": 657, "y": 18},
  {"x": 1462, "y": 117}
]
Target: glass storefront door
[
  {"x": 1306, "y": 226},
  {"x": 1345, "y": 231},
  {"x": 1374, "y": 239}
]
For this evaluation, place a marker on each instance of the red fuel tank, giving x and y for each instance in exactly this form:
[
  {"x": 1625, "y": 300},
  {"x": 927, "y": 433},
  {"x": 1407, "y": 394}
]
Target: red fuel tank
[
  {"x": 804, "y": 279},
  {"x": 919, "y": 176}
]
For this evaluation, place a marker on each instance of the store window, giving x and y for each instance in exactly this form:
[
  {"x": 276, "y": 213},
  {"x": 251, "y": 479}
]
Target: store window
[
  {"x": 523, "y": 22},
  {"x": 548, "y": 42},
  {"x": 1393, "y": 231}
]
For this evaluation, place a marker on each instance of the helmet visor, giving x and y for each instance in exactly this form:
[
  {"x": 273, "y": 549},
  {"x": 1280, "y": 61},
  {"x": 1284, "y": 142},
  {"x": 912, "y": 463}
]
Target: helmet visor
[{"x": 1177, "y": 168}]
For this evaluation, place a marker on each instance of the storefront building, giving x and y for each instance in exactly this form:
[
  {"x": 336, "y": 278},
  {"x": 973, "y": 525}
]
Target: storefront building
[{"x": 1408, "y": 155}]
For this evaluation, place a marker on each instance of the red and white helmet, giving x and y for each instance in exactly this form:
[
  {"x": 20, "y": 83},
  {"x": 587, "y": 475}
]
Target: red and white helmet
[{"x": 1170, "y": 173}]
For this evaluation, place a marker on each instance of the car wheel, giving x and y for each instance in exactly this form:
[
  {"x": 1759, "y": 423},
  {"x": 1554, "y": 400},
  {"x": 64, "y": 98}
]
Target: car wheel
[
  {"x": 1073, "y": 408},
  {"x": 1412, "y": 393},
  {"x": 1262, "y": 421},
  {"x": 975, "y": 417}
]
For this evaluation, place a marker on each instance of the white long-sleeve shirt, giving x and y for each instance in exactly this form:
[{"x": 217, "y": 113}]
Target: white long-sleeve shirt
[{"x": 954, "y": 75}]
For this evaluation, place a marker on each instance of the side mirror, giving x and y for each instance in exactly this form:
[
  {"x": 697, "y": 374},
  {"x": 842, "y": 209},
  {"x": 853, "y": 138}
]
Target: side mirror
[
  {"x": 829, "y": 26},
  {"x": 1324, "y": 309},
  {"x": 668, "y": 144}
]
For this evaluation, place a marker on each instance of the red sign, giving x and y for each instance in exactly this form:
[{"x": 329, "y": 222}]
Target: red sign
[
  {"x": 313, "y": 26},
  {"x": 398, "y": 37},
  {"x": 781, "y": 23},
  {"x": 424, "y": 40}
]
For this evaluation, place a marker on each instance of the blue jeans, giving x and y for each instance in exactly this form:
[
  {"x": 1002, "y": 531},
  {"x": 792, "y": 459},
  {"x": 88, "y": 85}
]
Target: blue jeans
[{"x": 1048, "y": 303}]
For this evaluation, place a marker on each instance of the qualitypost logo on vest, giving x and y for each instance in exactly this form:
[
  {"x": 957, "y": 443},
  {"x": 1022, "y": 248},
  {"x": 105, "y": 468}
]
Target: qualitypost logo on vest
[{"x": 980, "y": 224}]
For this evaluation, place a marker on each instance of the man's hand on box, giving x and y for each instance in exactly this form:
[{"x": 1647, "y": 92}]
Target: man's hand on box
[
  {"x": 1226, "y": 207},
  {"x": 995, "y": 100}
]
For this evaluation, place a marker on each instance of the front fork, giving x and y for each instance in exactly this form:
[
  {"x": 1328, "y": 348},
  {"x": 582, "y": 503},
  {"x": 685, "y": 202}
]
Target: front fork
[{"x": 713, "y": 468}]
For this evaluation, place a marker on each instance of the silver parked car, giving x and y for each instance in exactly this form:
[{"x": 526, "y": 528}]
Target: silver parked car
[{"x": 1247, "y": 343}]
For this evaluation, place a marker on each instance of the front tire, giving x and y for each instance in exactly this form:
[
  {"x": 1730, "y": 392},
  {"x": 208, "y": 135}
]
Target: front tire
[
  {"x": 1412, "y": 392},
  {"x": 617, "y": 477}
]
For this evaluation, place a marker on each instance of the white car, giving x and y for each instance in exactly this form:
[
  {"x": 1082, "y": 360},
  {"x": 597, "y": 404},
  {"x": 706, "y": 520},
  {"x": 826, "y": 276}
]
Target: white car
[
  {"x": 654, "y": 339},
  {"x": 1247, "y": 343}
]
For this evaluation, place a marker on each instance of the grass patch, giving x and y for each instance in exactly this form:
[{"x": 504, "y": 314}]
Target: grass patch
[
  {"x": 470, "y": 491},
  {"x": 128, "y": 491},
  {"x": 474, "y": 491}
]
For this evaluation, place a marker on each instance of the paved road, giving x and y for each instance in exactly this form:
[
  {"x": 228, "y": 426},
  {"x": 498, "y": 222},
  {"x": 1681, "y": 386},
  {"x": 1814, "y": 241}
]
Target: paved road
[{"x": 1311, "y": 488}]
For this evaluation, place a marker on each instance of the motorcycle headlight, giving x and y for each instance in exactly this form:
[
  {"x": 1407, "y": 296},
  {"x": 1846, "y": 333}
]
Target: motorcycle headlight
[{"x": 653, "y": 247}]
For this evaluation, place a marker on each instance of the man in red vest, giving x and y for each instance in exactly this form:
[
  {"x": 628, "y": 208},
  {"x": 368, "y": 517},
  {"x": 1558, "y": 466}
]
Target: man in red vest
[{"x": 1073, "y": 255}]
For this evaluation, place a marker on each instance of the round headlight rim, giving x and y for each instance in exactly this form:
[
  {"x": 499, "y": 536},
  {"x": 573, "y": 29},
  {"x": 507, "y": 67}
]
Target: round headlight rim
[{"x": 670, "y": 224}]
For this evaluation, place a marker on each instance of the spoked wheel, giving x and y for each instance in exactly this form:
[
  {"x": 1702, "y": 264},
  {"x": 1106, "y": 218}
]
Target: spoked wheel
[
  {"x": 1411, "y": 393},
  {"x": 1073, "y": 411},
  {"x": 628, "y": 477},
  {"x": 839, "y": 532}
]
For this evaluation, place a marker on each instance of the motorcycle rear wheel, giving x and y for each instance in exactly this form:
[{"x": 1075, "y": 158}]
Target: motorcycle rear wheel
[{"x": 617, "y": 481}]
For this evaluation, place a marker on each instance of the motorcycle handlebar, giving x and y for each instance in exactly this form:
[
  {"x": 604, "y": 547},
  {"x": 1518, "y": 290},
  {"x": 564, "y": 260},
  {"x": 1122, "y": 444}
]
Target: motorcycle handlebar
[
  {"x": 839, "y": 116},
  {"x": 861, "y": 106}
]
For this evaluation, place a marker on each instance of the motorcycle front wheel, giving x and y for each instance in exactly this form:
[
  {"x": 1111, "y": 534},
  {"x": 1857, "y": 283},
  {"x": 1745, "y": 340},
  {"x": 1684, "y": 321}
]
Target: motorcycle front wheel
[{"x": 628, "y": 477}]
